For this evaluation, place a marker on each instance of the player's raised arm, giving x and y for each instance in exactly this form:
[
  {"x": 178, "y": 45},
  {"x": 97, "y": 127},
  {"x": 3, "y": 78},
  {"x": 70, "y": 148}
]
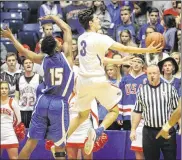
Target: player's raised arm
[
  {"x": 128, "y": 49},
  {"x": 67, "y": 36},
  {"x": 36, "y": 58}
]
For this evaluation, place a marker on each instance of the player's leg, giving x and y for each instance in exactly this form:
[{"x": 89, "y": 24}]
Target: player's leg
[
  {"x": 12, "y": 153},
  {"x": 37, "y": 127},
  {"x": 28, "y": 149},
  {"x": 108, "y": 96},
  {"x": 110, "y": 117},
  {"x": 58, "y": 115}
]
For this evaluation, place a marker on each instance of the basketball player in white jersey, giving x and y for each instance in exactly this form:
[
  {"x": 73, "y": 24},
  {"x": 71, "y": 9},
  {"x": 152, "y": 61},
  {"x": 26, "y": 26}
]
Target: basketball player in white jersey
[
  {"x": 26, "y": 87},
  {"x": 10, "y": 117},
  {"x": 92, "y": 82}
]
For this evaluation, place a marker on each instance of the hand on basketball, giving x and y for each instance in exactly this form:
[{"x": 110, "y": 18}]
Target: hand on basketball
[
  {"x": 155, "y": 49},
  {"x": 133, "y": 135},
  {"x": 164, "y": 134},
  {"x": 6, "y": 33}
]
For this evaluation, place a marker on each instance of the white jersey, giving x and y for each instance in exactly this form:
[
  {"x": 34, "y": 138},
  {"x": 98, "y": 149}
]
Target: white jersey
[
  {"x": 8, "y": 119},
  {"x": 92, "y": 48},
  {"x": 27, "y": 92}
]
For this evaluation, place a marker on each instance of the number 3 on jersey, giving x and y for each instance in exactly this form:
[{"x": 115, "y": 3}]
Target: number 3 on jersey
[
  {"x": 56, "y": 76},
  {"x": 83, "y": 49}
]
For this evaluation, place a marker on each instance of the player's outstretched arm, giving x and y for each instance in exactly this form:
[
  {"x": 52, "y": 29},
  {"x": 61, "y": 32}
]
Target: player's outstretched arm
[
  {"x": 36, "y": 58},
  {"x": 175, "y": 117},
  {"x": 117, "y": 61},
  {"x": 128, "y": 49},
  {"x": 67, "y": 36}
]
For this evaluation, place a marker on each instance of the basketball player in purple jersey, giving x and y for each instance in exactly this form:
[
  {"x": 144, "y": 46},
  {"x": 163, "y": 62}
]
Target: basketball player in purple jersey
[{"x": 50, "y": 118}]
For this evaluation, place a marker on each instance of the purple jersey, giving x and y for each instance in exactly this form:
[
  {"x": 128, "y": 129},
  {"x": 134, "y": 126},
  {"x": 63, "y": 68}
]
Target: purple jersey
[
  {"x": 129, "y": 86},
  {"x": 50, "y": 118},
  {"x": 58, "y": 76}
]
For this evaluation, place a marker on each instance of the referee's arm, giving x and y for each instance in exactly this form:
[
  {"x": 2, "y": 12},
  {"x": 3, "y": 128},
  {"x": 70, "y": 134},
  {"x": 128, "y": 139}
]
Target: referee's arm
[{"x": 137, "y": 112}]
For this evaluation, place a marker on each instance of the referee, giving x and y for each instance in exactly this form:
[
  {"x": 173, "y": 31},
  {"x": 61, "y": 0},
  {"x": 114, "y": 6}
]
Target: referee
[{"x": 154, "y": 102}]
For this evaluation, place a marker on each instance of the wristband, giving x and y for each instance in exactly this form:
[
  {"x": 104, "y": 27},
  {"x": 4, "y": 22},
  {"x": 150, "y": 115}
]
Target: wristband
[{"x": 166, "y": 127}]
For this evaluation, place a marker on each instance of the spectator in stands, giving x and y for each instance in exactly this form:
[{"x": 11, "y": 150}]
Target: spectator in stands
[
  {"x": 162, "y": 6},
  {"x": 126, "y": 39},
  {"x": 153, "y": 17},
  {"x": 168, "y": 67},
  {"x": 47, "y": 27},
  {"x": 3, "y": 53},
  {"x": 177, "y": 57},
  {"x": 140, "y": 13},
  {"x": 103, "y": 15},
  {"x": 127, "y": 24},
  {"x": 113, "y": 7},
  {"x": 113, "y": 74},
  {"x": 170, "y": 32},
  {"x": 11, "y": 75},
  {"x": 129, "y": 86},
  {"x": 70, "y": 14},
  {"x": 26, "y": 87},
  {"x": 51, "y": 8}
]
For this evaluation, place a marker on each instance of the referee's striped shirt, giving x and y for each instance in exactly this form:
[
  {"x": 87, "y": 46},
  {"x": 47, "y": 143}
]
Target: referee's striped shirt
[{"x": 156, "y": 103}]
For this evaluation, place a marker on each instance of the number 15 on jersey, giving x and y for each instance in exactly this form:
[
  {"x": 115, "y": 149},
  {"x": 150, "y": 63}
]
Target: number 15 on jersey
[{"x": 56, "y": 76}]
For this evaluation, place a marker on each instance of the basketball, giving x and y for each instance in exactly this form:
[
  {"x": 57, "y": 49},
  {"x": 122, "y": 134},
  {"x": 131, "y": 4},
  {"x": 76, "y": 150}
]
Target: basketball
[{"x": 157, "y": 37}]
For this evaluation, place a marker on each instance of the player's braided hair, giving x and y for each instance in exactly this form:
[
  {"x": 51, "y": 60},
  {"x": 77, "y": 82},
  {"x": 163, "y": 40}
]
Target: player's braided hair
[
  {"x": 48, "y": 45},
  {"x": 85, "y": 16}
]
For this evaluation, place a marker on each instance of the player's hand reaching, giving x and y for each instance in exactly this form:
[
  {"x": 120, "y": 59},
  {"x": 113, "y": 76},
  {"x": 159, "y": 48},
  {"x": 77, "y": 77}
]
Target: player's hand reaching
[
  {"x": 133, "y": 135},
  {"x": 6, "y": 33},
  {"x": 156, "y": 49}
]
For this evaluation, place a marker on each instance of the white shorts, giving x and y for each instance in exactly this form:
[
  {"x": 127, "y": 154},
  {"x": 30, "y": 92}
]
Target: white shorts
[
  {"x": 96, "y": 87},
  {"x": 137, "y": 144}
]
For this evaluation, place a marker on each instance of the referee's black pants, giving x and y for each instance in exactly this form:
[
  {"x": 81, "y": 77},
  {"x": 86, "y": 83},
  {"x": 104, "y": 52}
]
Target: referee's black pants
[{"x": 152, "y": 146}]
